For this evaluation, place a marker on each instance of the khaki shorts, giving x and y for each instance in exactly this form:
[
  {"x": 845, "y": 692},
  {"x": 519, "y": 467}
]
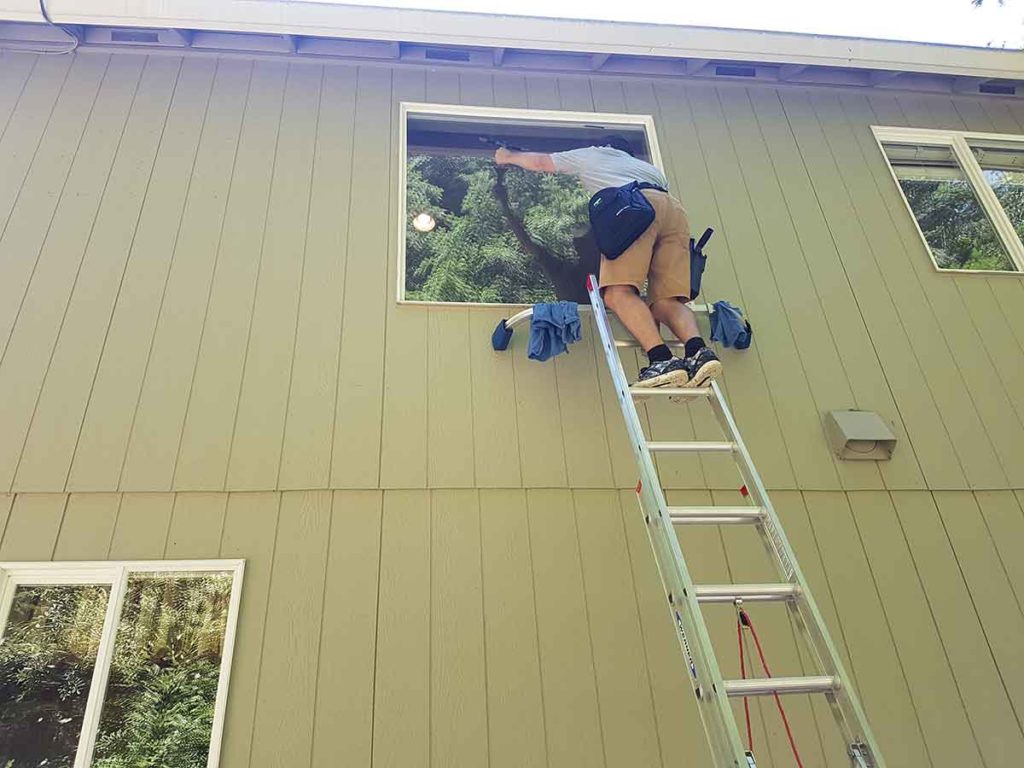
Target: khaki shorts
[{"x": 660, "y": 256}]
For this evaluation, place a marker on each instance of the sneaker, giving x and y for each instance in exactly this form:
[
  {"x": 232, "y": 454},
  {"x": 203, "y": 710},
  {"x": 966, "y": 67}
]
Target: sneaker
[
  {"x": 664, "y": 373},
  {"x": 702, "y": 367}
]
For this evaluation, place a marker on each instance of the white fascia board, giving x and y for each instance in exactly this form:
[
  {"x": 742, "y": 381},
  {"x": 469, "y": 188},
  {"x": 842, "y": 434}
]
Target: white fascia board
[{"x": 319, "y": 19}]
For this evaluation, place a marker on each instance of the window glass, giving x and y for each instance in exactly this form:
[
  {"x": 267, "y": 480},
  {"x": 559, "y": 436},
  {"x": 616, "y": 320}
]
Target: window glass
[
  {"x": 159, "y": 703},
  {"x": 478, "y": 233},
  {"x": 47, "y": 657},
  {"x": 1003, "y": 168},
  {"x": 953, "y": 222}
]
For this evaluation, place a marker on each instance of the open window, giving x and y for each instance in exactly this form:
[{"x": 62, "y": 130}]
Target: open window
[
  {"x": 965, "y": 191},
  {"x": 115, "y": 664},
  {"x": 471, "y": 232}
]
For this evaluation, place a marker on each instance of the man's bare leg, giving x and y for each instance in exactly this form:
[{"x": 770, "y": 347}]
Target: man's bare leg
[
  {"x": 677, "y": 316},
  {"x": 664, "y": 369},
  {"x": 702, "y": 364},
  {"x": 633, "y": 313}
]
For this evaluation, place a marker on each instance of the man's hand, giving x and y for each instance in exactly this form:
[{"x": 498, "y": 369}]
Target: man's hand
[{"x": 502, "y": 156}]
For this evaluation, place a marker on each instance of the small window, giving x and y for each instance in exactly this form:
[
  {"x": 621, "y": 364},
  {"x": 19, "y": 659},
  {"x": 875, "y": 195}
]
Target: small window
[
  {"x": 473, "y": 233},
  {"x": 115, "y": 664},
  {"x": 966, "y": 193}
]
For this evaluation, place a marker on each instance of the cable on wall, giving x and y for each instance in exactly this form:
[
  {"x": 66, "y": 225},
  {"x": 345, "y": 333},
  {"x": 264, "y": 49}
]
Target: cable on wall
[{"x": 73, "y": 40}]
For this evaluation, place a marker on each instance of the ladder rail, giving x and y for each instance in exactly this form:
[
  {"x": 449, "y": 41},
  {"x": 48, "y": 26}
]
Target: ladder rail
[
  {"x": 853, "y": 721},
  {"x": 706, "y": 678}
]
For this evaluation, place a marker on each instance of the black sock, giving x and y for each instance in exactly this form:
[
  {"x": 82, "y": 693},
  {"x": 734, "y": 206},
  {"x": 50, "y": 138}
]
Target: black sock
[
  {"x": 694, "y": 345},
  {"x": 659, "y": 353}
]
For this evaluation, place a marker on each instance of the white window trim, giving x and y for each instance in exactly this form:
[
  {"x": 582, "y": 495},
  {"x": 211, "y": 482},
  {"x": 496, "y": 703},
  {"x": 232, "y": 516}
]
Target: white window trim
[
  {"x": 407, "y": 108},
  {"x": 958, "y": 141},
  {"x": 115, "y": 574}
]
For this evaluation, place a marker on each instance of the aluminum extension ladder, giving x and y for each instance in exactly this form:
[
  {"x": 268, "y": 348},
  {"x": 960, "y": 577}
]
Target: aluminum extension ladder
[{"x": 685, "y": 597}]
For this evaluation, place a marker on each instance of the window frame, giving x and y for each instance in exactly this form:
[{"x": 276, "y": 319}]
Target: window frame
[
  {"x": 959, "y": 142},
  {"x": 116, "y": 574},
  {"x": 407, "y": 108}
]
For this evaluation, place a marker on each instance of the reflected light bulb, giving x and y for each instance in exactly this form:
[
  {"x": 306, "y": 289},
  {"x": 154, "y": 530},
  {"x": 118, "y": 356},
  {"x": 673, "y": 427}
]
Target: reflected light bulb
[{"x": 424, "y": 222}]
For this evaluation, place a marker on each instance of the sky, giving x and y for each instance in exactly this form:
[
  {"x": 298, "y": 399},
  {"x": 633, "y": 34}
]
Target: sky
[{"x": 955, "y": 22}]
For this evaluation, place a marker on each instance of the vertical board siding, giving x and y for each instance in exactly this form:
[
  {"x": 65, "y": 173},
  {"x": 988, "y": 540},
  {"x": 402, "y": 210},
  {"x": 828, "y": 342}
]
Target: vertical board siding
[
  {"x": 88, "y": 526},
  {"x": 50, "y": 444},
  {"x": 37, "y": 153},
  {"x": 197, "y": 524},
  {"x": 355, "y": 457},
  {"x": 285, "y": 704},
  {"x": 873, "y": 657},
  {"x": 202, "y": 459},
  {"x": 996, "y": 726},
  {"x": 305, "y": 455},
  {"x": 571, "y": 710},
  {"x": 504, "y": 627},
  {"x": 33, "y": 526},
  {"x": 263, "y": 401},
  {"x": 160, "y": 413},
  {"x": 620, "y": 666},
  {"x": 250, "y": 532},
  {"x": 458, "y": 674},
  {"x": 932, "y": 443},
  {"x": 402, "y": 684},
  {"x": 201, "y": 356},
  {"x": 41, "y": 306},
  {"x": 516, "y": 729},
  {"x": 17, "y": 71},
  {"x": 200, "y": 280},
  {"x": 141, "y": 529},
  {"x": 939, "y": 704},
  {"x": 860, "y": 365},
  {"x": 932, "y": 313},
  {"x": 107, "y": 424},
  {"x": 343, "y": 727},
  {"x": 814, "y": 340}
]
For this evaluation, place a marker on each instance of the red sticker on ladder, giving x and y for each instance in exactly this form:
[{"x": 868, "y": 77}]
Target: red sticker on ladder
[
  {"x": 590, "y": 282},
  {"x": 744, "y": 492},
  {"x": 639, "y": 485}
]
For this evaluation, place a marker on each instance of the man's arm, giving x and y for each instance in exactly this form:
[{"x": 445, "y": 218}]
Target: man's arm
[{"x": 530, "y": 161}]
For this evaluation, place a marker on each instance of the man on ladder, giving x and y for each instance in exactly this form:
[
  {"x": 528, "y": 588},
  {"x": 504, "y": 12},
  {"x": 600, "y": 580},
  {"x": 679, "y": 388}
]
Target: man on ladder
[{"x": 660, "y": 256}]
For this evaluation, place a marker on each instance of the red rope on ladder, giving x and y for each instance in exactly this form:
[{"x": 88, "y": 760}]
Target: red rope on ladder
[{"x": 744, "y": 619}]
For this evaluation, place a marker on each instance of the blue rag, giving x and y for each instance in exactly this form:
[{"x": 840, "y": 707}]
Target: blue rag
[
  {"x": 728, "y": 325},
  {"x": 552, "y": 328}
]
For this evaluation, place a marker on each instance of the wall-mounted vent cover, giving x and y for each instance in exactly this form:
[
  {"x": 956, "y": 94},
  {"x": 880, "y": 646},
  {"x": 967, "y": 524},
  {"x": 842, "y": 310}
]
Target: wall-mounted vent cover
[
  {"x": 1000, "y": 89},
  {"x": 446, "y": 54},
  {"x": 735, "y": 70},
  {"x": 134, "y": 36},
  {"x": 859, "y": 435}
]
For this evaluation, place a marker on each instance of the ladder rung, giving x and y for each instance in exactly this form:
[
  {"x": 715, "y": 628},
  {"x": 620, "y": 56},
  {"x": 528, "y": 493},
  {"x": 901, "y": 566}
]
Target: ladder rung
[
  {"x": 715, "y": 515},
  {"x": 768, "y": 686},
  {"x": 754, "y": 593},
  {"x": 693, "y": 447},
  {"x": 642, "y": 392}
]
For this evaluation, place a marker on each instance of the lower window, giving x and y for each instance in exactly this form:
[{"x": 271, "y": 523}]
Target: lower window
[{"x": 115, "y": 664}]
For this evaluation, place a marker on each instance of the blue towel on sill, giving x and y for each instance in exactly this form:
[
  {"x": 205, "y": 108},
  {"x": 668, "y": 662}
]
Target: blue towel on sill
[
  {"x": 552, "y": 329},
  {"x": 728, "y": 325}
]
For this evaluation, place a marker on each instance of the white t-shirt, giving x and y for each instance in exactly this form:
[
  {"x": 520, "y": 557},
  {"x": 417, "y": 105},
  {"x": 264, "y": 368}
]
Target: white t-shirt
[{"x": 600, "y": 167}]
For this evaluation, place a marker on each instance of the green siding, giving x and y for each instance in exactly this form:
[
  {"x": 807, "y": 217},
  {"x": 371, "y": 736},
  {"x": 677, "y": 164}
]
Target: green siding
[
  {"x": 201, "y": 356},
  {"x": 510, "y": 627},
  {"x": 200, "y": 267}
]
